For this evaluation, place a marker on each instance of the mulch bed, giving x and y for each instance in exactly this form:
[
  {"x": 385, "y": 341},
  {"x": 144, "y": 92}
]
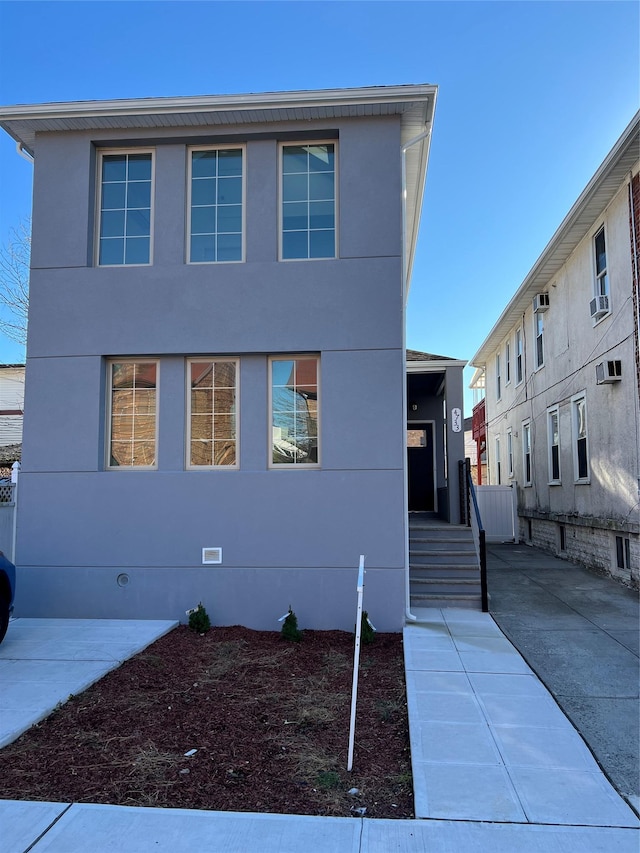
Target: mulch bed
[{"x": 269, "y": 720}]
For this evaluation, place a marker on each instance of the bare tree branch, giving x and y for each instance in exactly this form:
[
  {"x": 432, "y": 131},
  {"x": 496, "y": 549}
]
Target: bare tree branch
[{"x": 14, "y": 282}]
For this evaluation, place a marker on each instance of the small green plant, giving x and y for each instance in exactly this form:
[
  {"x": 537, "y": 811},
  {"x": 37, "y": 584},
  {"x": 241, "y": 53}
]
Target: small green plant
[
  {"x": 367, "y": 631},
  {"x": 290, "y": 629},
  {"x": 199, "y": 619},
  {"x": 328, "y": 780}
]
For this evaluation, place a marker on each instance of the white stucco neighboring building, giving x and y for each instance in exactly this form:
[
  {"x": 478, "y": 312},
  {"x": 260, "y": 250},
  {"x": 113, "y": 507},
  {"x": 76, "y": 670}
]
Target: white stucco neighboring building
[{"x": 561, "y": 370}]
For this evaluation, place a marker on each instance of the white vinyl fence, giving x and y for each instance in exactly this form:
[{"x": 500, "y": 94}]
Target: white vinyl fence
[
  {"x": 498, "y": 510},
  {"x": 8, "y": 496}
]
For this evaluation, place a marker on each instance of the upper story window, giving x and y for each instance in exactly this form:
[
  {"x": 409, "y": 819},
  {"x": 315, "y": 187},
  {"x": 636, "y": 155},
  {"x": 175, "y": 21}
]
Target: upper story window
[
  {"x": 553, "y": 440},
  {"x": 132, "y": 416},
  {"x": 599, "y": 306},
  {"x": 507, "y": 363},
  {"x": 216, "y": 194},
  {"x": 519, "y": 357},
  {"x": 538, "y": 322},
  {"x": 125, "y": 208},
  {"x": 211, "y": 407},
  {"x": 498, "y": 377},
  {"x": 308, "y": 201},
  {"x": 602, "y": 278},
  {"x": 526, "y": 453},
  {"x": 294, "y": 411},
  {"x": 580, "y": 446}
]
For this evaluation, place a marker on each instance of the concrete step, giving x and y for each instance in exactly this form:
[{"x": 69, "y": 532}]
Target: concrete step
[
  {"x": 420, "y": 572},
  {"x": 468, "y": 602},
  {"x": 429, "y": 586},
  {"x": 444, "y": 563},
  {"x": 464, "y": 554}
]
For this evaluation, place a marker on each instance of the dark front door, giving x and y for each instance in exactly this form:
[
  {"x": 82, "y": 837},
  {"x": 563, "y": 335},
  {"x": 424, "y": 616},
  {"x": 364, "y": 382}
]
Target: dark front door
[{"x": 420, "y": 468}]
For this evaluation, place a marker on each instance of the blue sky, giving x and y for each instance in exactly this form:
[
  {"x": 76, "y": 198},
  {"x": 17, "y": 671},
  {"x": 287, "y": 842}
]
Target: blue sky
[{"x": 532, "y": 96}]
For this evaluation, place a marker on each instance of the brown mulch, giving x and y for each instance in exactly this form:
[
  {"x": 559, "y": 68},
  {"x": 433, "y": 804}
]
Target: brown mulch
[{"x": 269, "y": 720}]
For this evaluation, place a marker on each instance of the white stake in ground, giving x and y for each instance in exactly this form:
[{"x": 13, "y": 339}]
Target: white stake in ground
[{"x": 356, "y": 662}]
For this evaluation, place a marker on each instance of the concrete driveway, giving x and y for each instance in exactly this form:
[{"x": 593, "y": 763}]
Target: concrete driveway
[{"x": 580, "y": 633}]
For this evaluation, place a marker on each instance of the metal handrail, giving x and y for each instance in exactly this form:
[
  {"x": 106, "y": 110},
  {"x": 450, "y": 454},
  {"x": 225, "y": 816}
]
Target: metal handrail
[{"x": 475, "y": 522}]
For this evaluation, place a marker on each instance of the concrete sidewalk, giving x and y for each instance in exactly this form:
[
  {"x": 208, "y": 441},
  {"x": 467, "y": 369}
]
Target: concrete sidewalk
[
  {"x": 61, "y": 828},
  {"x": 580, "y": 633},
  {"x": 488, "y": 742}
]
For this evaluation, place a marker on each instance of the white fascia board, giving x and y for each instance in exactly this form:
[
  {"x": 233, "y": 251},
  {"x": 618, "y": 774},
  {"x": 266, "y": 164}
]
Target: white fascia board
[
  {"x": 214, "y": 103},
  {"x": 433, "y": 366}
]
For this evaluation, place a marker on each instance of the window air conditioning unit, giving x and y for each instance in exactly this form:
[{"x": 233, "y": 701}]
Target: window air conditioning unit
[
  {"x": 540, "y": 303},
  {"x": 608, "y": 371},
  {"x": 599, "y": 306}
]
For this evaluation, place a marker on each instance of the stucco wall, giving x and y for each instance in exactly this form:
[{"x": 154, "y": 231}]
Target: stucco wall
[
  {"x": 288, "y": 536},
  {"x": 573, "y": 347}
]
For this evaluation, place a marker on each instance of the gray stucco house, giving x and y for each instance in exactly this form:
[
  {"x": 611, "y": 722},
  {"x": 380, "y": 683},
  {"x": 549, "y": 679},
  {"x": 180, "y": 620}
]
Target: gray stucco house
[{"x": 216, "y": 405}]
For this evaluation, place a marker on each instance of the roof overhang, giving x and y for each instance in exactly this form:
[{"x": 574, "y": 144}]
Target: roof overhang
[
  {"x": 414, "y": 104},
  {"x": 598, "y": 193},
  {"x": 434, "y": 366}
]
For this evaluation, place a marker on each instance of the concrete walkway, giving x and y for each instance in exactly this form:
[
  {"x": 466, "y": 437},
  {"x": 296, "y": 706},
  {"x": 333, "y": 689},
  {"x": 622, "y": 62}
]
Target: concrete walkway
[
  {"x": 580, "y": 633},
  {"x": 43, "y": 661},
  {"x": 497, "y": 767}
]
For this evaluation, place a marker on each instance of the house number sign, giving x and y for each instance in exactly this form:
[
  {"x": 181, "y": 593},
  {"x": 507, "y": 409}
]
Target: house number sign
[{"x": 456, "y": 420}]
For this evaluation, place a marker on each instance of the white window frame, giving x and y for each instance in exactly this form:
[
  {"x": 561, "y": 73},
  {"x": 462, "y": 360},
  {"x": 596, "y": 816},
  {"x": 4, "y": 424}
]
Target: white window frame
[
  {"x": 575, "y": 401},
  {"x": 498, "y": 461},
  {"x": 221, "y": 147},
  {"x": 507, "y": 363},
  {"x": 600, "y": 280},
  {"x": 553, "y": 412},
  {"x": 527, "y": 449},
  {"x": 105, "y": 152},
  {"x": 538, "y": 334},
  {"x": 498, "y": 376},
  {"x": 336, "y": 206},
  {"x": 213, "y": 467},
  {"x": 510, "y": 453},
  {"x": 108, "y": 423},
  {"x": 281, "y": 466},
  {"x": 519, "y": 356}
]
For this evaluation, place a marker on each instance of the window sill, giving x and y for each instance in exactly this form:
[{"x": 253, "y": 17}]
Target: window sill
[
  {"x": 585, "y": 482},
  {"x": 554, "y": 483}
]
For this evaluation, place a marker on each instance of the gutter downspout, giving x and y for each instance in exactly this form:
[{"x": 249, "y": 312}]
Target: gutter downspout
[
  {"x": 22, "y": 151},
  {"x": 403, "y": 150}
]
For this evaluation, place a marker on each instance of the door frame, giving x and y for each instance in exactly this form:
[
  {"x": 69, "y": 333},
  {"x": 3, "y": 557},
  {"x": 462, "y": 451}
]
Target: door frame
[{"x": 421, "y": 424}]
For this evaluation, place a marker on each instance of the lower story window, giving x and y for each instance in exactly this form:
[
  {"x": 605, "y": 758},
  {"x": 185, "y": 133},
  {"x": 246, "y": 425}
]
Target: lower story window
[
  {"x": 212, "y": 438},
  {"x": 623, "y": 552},
  {"x": 294, "y": 410},
  {"x": 132, "y": 414}
]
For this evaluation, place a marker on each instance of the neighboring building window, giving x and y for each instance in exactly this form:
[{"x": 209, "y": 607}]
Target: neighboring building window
[
  {"x": 212, "y": 439},
  {"x": 538, "y": 320},
  {"x": 308, "y": 201},
  {"x": 623, "y": 552},
  {"x": 519, "y": 356},
  {"x": 510, "y": 452},
  {"x": 507, "y": 363},
  {"x": 132, "y": 417},
  {"x": 294, "y": 410},
  {"x": 553, "y": 437},
  {"x": 125, "y": 204},
  {"x": 580, "y": 446},
  {"x": 602, "y": 278},
  {"x": 498, "y": 377},
  {"x": 526, "y": 453},
  {"x": 498, "y": 462},
  {"x": 215, "y": 205}
]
